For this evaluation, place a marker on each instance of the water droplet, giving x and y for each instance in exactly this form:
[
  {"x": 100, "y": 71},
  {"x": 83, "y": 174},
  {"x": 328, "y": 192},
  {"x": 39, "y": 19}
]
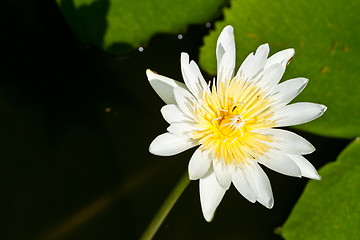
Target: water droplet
[
  {"x": 208, "y": 25},
  {"x": 180, "y": 36},
  {"x": 141, "y": 49}
]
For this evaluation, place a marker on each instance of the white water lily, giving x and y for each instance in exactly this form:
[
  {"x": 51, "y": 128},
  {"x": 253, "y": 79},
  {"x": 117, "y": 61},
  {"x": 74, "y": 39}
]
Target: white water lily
[{"x": 234, "y": 122}]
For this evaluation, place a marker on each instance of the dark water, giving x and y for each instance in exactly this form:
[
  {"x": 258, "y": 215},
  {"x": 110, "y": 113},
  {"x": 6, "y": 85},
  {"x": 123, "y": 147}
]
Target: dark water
[{"x": 75, "y": 126}]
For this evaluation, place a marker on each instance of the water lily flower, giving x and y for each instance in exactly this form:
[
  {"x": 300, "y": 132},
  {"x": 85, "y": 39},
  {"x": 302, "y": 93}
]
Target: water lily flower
[{"x": 234, "y": 120}]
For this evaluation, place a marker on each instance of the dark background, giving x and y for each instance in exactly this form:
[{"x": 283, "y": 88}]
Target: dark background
[{"x": 75, "y": 126}]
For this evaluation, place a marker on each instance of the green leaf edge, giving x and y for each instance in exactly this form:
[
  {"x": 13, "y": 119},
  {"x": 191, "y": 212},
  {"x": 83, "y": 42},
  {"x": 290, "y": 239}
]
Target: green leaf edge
[{"x": 312, "y": 187}]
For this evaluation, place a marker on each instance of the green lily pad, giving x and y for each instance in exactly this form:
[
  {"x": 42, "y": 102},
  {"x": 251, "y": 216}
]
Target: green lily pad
[
  {"x": 121, "y": 25},
  {"x": 327, "y": 46},
  {"x": 330, "y": 208}
]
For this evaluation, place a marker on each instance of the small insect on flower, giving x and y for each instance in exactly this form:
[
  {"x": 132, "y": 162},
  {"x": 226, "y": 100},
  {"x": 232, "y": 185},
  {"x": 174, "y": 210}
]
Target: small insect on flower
[{"x": 234, "y": 122}]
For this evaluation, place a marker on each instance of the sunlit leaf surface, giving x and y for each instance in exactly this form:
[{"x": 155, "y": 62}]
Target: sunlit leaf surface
[
  {"x": 327, "y": 52},
  {"x": 329, "y": 209},
  {"x": 121, "y": 25}
]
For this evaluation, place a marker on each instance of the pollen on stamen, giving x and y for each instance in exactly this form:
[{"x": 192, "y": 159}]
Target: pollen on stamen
[
  {"x": 241, "y": 132},
  {"x": 215, "y": 119},
  {"x": 228, "y": 117}
]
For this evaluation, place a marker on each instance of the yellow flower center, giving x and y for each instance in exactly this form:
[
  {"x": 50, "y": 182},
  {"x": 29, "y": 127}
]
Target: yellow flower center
[
  {"x": 228, "y": 119},
  {"x": 231, "y": 125}
]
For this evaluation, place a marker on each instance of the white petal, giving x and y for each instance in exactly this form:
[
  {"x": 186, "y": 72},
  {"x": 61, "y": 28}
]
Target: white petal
[
  {"x": 282, "y": 57},
  {"x": 288, "y": 90},
  {"x": 172, "y": 113},
  {"x": 288, "y": 142},
  {"x": 259, "y": 183},
  {"x": 199, "y": 164},
  {"x": 223, "y": 173},
  {"x": 226, "y": 70},
  {"x": 241, "y": 184},
  {"x": 186, "y": 101},
  {"x": 272, "y": 75},
  {"x": 211, "y": 194},
  {"x": 245, "y": 66},
  {"x": 258, "y": 62},
  {"x": 192, "y": 76},
  {"x": 183, "y": 129},
  {"x": 168, "y": 144},
  {"x": 298, "y": 113},
  {"x": 307, "y": 169},
  {"x": 164, "y": 86},
  {"x": 225, "y": 55},
  {"x": 281, "y": 163}
]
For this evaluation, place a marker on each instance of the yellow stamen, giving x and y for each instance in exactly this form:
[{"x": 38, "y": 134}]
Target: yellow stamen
[{"x": 228, "y": 119}]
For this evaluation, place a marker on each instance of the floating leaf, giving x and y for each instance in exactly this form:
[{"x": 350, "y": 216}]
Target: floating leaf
[
  {"x": 327, "y": 50},
  {"x": 330, "y": 208},
  {"x": 120, "y": 25}
]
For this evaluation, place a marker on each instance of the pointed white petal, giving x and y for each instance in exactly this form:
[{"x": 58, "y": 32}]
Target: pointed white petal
[
  {"x": 225, "y": 43},
  {"x": 281, "y": 163},
  {"x": 307, "y": 169},
  {"x": 258, "y": 62},
  {"x": 223, "y": 173},
  {"x": 186, "y": 101},
  {"x": 225, "y": 55},
  {"x": 211, "y": 194},
  {"x": 199, "y": 164},
  {"x": 168, "y": 144},
  {"x": 182, "y": 129},
  {"x": 172, "y": 113},
  {"x": 288, "y": 142},
  {"x": 241, "y": 184},
  {"x": 164, "y": 86},
  {"x": 272, "y": 75},
  {"x": 245, "y": 66},
  {"x": 259, "y": 183},
  {"x": 282, "y": 57},
  {"x": 288, "y": 90},
  {"x": 298, "y": 113},
  {"x": 192, "y": 76}
]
